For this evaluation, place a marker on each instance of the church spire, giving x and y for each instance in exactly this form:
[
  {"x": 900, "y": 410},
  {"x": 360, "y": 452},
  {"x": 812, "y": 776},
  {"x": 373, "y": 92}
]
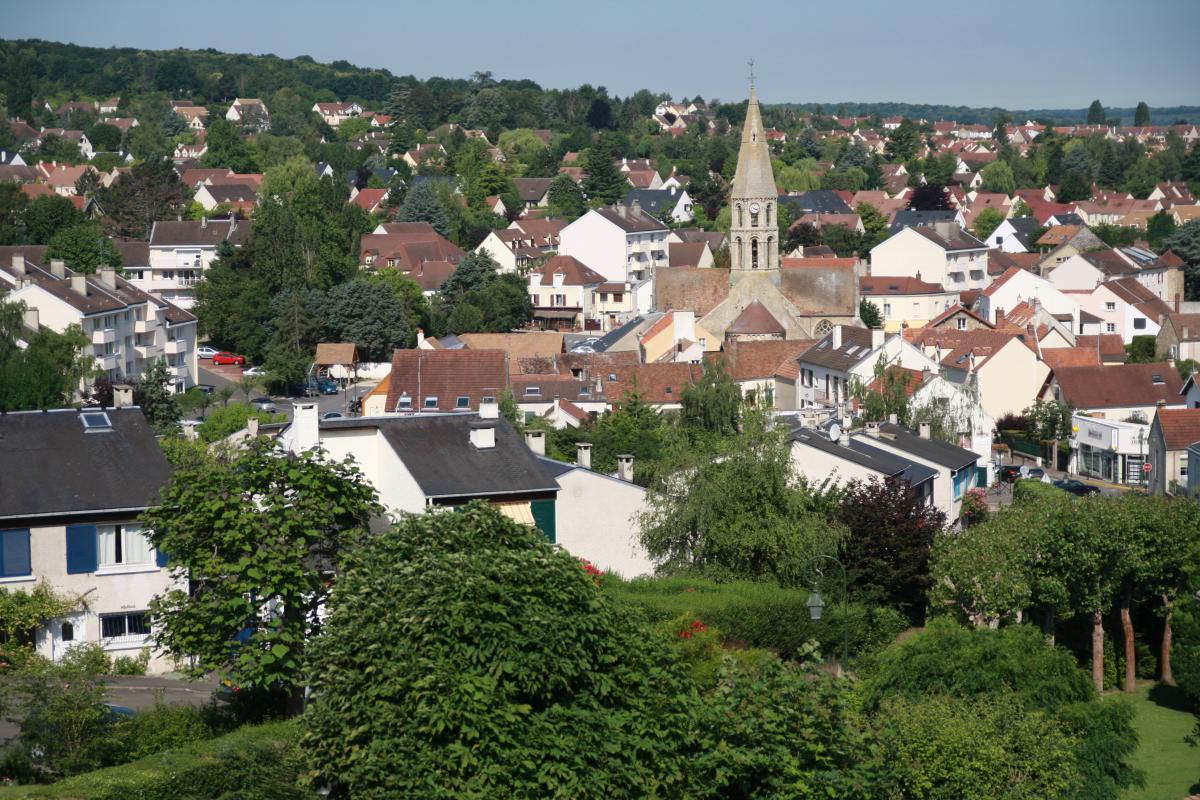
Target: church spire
[{"x": 753, "y": 233}]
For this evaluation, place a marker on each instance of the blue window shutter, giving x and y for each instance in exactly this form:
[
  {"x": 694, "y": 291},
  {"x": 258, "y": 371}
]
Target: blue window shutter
[
  {"x": 81, "y": 549},
  {"x": 14, "y": 553},
  {"x": 160, "y": 558}
]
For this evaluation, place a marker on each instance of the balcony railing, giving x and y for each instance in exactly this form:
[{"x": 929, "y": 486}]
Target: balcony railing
[{"x": 104, "y": 336}]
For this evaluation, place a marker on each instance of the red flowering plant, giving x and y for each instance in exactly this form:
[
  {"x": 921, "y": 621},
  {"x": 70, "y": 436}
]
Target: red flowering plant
[
  {"x": 974, "y": 506},
  {"x": 699, "y": 646}
]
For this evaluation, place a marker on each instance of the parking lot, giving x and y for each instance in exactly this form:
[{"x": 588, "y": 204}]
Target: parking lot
[{"x": 227, "y": 375}]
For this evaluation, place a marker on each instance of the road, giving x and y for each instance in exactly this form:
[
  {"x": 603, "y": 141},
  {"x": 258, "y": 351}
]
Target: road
[{"x": 226, "y": 375}]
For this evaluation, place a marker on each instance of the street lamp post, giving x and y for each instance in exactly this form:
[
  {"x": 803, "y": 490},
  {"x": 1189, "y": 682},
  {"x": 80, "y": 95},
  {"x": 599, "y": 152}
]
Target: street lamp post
[{"x": 816, "y": 605}]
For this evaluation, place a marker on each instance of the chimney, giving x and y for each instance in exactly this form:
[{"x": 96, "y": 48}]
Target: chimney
[
  {"x": 925, "y": 430},
  {"x": 877, "y": 338},
  {"x": 483, "y": 433},
  {"x": 252, "y": 427},
  {"x": 122, "y": 395},
  {"x": 1176, "y": 294},
  {"x": 420, "y": 337},
  {"x": 31, "y": 318},
  {"x": 844, "y": 438},
  {"x": 636, "y": 206},
  {"x": 304, "y": 421},
  {"x": 999, "y": 316},
  {"x": 536, "y": 440},
  {"x": 203, "y": 223},
  {"x": 58, "y": 268},
  {"x": 583, "y": 454},
  {"x": 873, "y": 430},
  {"x": 893, "y": 419},
  {"x": 625, "y": 468},
  {"x": 945, "y": 228},
  {"x": 837, "y": 337},
  {"x": 18, "y": 266},
  {"x": 1184, "y": 334},
  {"x": 108, "y": 277},
  {"x": 489, "y": 408},
  {"x": 79, "y": 284}
]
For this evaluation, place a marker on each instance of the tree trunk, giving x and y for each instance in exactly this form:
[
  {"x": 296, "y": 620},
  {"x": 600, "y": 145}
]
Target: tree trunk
[
  {"x": 1130, "y": 650},
  {"x": 295, "y": 701},
  {"x": 1164, "y": 660},
  {"x": 1048, "y": 620},
  {"x": 1098, "y": 649}
]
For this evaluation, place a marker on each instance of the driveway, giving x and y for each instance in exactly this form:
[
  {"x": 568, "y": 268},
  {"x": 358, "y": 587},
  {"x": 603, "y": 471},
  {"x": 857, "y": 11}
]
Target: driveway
[{"x": 228, "y": 375}]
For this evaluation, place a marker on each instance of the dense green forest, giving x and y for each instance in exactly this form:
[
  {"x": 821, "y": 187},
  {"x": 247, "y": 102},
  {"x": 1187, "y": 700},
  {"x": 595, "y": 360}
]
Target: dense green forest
[{"x": 36, "y": 68}]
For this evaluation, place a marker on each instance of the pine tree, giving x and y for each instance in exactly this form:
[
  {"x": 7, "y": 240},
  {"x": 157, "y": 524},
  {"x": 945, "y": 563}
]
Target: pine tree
[
  {"x": 566, "y": 198},
  {"x": 1095, "y": 113},
  {"x": 1141, "y": 116},
  {"x": 421, "y": 205},
  {"x": 602, "y": 180}
]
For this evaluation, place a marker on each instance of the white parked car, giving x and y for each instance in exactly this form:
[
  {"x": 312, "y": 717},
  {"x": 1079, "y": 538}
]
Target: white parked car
[
  {"x": 255, "y": 372},
  {"x": 206, "y": 351}
]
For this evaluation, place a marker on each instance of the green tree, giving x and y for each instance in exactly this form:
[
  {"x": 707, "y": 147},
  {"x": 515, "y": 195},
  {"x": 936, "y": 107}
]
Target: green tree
[
  {"x": 603, "y": 183},
  {"x": 421, "y": 205},
  {"x": 875, "y": 225},
  {"x": 232, "y": 418},
  {"x": 713, "y": 403},
  {"x": 84, "y": 248},
  {"x": 735, "y": 512},
  {"x": 566, "y": 200},
  {"x": 869, "y": 313},
  {"x": 370, "y": 315},
  {"x": 19, "y": 83},
  {"x": 1095, "y": 114},
  {"x": 104, "y": 137},
  {"x": 150, "y": 191},
  {"x": 1141, "y": 115},
  {"x": 1048, "y": 422},
  {"x": 155, "y": 393},
  {"x": 1159, "y": 229},
  {"x": 48, "y": 371},
  {"x": 904, "y": 141},
  {"x": 227, "y": 149},
  {"x": 45, "y": 216},
  {"x": 258, "y": 537},
  {"x": 998, "y": 177},
  {"x": 987, "y": 221},
  {"x": 1185, "y": 243}
]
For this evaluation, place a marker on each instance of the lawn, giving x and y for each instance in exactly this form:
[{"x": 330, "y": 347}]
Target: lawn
[{"x": 1172, "y": 767}]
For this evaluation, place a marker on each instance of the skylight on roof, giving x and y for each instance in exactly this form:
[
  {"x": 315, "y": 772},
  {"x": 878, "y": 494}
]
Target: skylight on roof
[
  {"x": 95, "y": 421},
  {"x": 1156, "y": 379}
]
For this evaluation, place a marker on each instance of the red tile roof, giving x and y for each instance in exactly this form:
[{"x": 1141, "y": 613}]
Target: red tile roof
[
  {"x": 1119, "y": 386},
  {"x": 446, "y": 375},
  {"x": 656, "y": 383},
  {"x": 755, "y": 319},
  {"x": 1180, "y": 427},
  {"x": 757, "y": 360},
  {"x": 574, "y": 272},
  {"x": 893, "y": 286}
]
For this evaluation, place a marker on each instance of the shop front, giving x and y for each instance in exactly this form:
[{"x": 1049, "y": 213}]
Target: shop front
[{"x": 1108, "y": 450}]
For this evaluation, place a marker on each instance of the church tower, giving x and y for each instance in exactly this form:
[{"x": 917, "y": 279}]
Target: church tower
[{"x": 753, "y": 202}]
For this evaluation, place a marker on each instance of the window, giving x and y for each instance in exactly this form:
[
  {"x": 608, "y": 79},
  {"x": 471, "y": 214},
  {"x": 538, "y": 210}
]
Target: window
[
  {"x": 404, "y": 403},
  {"x": 123, "y": 545},
  {"x": 753, "y": 217},
  {"x": 1140, "y": 323},
  {"x": 130, "y": 626},
  {"x": 1110, "y": 327},
  {"x": 95, "y": 421},
  {"x": 67, "y": 632},
  {"x": 532, "y": 391},
  {"x": 754, "y": 254},
  {"x": 462, "y": 402},
  {"x": 1110, "y": 306},
  {"x": 431, "y": 402},
  {"x": 1183, "y": 459},
  {"x": 741, "y": 219},
  {"x": 618, "y": 297},
  {"x": 14, "y": 553},
  {"x": 887, "y": 310},
  {"x": 962, "y": 323},
  {"x": 916, "y": 309}
]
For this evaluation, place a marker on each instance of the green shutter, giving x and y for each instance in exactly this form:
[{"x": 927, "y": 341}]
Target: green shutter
[{"x": 543, "y": 517}]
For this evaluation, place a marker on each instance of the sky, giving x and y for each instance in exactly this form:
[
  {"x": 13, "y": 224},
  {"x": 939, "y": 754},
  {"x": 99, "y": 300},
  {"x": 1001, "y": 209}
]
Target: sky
[{"x": 1018, "y": 54}]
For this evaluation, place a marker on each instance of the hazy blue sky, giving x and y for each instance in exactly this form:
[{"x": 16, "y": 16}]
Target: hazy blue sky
[{"x": 1017, "y": 54}]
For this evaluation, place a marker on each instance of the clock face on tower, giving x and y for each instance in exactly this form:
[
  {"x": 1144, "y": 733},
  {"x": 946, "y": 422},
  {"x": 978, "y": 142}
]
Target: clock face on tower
[{"x": 754, "y": 208}]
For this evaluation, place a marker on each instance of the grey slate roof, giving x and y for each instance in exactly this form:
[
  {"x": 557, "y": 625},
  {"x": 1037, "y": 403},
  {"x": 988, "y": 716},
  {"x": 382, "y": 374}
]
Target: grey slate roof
[
  {"x": 864, "y": 455},
  {"x": 1022, "y": 227},
  {"x": 913, "y": 218},
  {"x": 437, "y": 450},
  {"x": 817, "y": 201},
  {"x": 943, "y": 453},
  {"x": 652, "y": 200},
  {"x": 50, "y": 466}
]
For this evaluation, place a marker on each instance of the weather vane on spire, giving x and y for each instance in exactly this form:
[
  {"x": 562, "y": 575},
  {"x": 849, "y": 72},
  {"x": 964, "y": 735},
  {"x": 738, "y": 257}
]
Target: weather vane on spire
[{"x": 751, "y": 63}]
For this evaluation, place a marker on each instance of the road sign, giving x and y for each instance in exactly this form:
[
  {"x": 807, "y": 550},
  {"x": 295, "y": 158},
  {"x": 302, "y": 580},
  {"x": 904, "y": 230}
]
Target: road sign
[{"x": 1147, "y": 467}]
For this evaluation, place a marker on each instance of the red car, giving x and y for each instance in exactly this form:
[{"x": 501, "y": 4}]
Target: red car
[{"x": 229, "y": 358}]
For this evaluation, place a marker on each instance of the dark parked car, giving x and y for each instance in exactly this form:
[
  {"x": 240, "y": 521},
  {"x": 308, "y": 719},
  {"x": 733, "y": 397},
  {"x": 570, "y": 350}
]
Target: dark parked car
[
  {"x": 327, "y": 386},
  {"x": 333, "y": 415},
  {"x": 301, "y": 390},
  {"x": 1077, "y": 488},
  {"x": 1009, "y": 473}
]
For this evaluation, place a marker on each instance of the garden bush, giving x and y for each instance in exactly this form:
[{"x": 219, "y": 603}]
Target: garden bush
[
  {"x": 762, "y": 614},
  {"x": 252, "y": 763}
]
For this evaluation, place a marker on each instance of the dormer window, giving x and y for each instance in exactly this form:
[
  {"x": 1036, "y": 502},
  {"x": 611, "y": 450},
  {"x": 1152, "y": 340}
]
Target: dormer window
[
  {"x": 532, "y": 391},
  {"x": 404, "y": 403},
  {"x": 431, "y": 402},
  {"x": 462, "y": 402}
]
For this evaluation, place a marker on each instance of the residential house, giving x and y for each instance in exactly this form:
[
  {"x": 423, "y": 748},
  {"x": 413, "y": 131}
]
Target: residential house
[
  {"x": 446, "y": 460},
  {"x": 231, "y": 196},
  {"x": 78, "y": 138},
  {"x": 659, "y": 385},
  {"x": 249, "y": 112},
  {"x": 689, "y": 254},
  {"x": 816, "y": 201},
  {"x": 658, "y": 202},
  {"x": 1117, "y": 391},
  {"x": 129, "y": 330},
  {"x": 335, "y": 114},
  {"x": 956, "y": 467},
  {"x": 834, "y": 455},
  {"x": 961, "y": 413},
  {"x": 1172, "y": 432},
  {"x": 765, "y": 370},
  {"x": 1179, "y": 337},
  {"x": 424, "y": 154},
  {"x": 406, "y": 246},
  {"x": 1125, "y": 307},
  {"x": 534, "y": 192},
  {"x": 528, "y": 351},
  {"x": 959, "y": 318},
  {"x": 562, "y": 291},
  {"x": 999, "y": 366},
  {"x": 1060, "y": 242},
  {"x": 1085, "y": 271},
  {"x": 914, "y": 218},
  {"x": 848, "y": 355},
  {"x": 942, "y": 253},
  {"x": 182, "y": 250},
  {"x": 1016, "y": 286},
  {"x": 1012, "y": 235},
  {"x": 195, "y": 116},
  {"x": 906, "y": 302},
  {"x": 619, "y": 242},
  {"x": 71, "y": 521},
  {"x": 424, "y": 381}
]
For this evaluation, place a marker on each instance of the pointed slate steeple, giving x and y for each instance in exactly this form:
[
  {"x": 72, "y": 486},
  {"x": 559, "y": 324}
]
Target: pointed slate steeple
[{"x": 754, "y": 177}]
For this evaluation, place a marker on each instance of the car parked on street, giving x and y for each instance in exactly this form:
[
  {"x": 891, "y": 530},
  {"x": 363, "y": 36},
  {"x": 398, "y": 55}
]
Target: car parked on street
[
  {"x": 228, "y": 358},
  {"x": 333, "y": 415},
  {"x": 327, "y": 386},
  {"x": 264, "y": 404},
  {"x": 1077, "y": 488},
  {"x": 207, "y": 388},
  {"x": 1009, "y": 473},
  {"x": 255, "y": 372},
  {"x": 206, "y": 352}
]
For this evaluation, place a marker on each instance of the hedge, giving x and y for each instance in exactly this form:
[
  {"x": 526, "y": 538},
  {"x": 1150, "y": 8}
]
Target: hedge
[
  {"x": 763, "y": 614},
  {"x": 259, "y": 762}
]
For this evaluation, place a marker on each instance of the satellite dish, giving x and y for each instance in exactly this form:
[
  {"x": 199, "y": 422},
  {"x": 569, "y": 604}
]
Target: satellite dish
[{"x": 835, "y": 432}]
